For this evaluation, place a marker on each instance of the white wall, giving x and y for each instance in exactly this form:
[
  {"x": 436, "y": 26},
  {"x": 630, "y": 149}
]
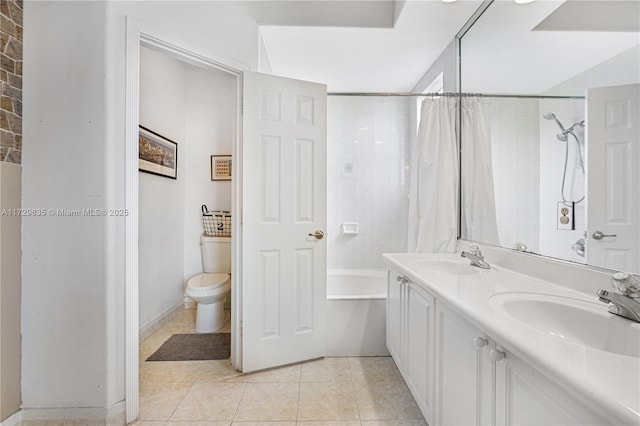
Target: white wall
[
  {"x": 74, "y": 114},
  {"x": 620, "y": 70},
  {"x": 445, "y": 64},
  {"x": 63, "y": 265},
  {"x": 210, "y": 130},
  {"x": 371, "y": 134},
  {"x": 161, "y": 200}
]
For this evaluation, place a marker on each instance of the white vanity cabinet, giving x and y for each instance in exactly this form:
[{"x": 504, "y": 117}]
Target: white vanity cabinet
[
  {"x": 464, "y": 371},
  {"x": 395, "y": 300},
  {"x": 460, "y": 376},
  {"x": 524, "y": 396},
  {"x": 410, "y": 327},
  {"x": 419, "y": 361}
]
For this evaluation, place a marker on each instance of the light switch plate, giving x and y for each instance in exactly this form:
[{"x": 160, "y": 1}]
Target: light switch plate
[{"x": 565, "y": 218}]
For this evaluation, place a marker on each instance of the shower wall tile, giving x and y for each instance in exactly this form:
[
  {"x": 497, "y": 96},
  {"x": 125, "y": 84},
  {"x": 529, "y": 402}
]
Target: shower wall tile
[
  {"x": 372, "y": 135},
  {"x": 528, "y": 162},
  {"x": 516, "y": 172},
  {"x": 555, "y": 242}
]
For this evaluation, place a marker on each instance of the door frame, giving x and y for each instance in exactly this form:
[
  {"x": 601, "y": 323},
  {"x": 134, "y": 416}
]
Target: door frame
[{"x": 139, "y": 34}]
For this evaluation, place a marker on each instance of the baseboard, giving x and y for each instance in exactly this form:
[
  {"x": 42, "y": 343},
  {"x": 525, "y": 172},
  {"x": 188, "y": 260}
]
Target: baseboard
[
  {"x": 159, "y": 320},
  {"x": 13, "y": 420},
  {"x": 112, "y": 416}
]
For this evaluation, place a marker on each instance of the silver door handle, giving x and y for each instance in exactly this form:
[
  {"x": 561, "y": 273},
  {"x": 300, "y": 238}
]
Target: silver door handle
[
  {"x": 318, "y": 234},
  {"x": 598, "y": 235}
]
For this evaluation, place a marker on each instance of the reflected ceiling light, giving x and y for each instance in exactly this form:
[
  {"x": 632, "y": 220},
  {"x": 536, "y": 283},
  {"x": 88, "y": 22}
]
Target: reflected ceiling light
[{"x": 449, "y": 1}]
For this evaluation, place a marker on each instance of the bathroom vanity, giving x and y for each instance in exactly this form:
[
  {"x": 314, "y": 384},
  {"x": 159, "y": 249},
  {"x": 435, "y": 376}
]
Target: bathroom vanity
[{"x": 494, "y": 346}]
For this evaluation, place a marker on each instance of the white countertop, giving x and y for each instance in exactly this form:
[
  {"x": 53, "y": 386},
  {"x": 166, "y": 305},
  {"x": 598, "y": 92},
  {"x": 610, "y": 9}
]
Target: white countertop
[{"x": 610, "y": 380}]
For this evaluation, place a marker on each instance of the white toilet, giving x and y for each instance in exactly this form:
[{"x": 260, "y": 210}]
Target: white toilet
[{"x": 210, "y": 288}]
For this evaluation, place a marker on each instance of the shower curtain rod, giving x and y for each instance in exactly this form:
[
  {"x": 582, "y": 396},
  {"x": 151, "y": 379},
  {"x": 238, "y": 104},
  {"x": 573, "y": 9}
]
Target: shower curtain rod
[{"x": 481, "y": 95}]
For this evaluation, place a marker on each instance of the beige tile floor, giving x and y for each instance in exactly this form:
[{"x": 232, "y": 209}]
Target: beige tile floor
[{"x": 331, "y": 391}]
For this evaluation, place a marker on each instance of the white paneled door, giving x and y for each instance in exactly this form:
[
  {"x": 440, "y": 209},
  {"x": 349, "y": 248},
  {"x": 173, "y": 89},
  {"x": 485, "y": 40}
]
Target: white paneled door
[
  {"x": 284, "y": 220},
  {"x": 613, "y": 177}
]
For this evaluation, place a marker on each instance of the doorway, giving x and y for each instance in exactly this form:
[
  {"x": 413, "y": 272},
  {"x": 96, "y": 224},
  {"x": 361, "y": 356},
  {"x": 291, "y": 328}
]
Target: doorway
[{"x": 137, "y": 38}]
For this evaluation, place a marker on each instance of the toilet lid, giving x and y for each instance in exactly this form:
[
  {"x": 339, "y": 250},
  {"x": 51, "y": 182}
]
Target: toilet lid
[{"x": 202, "y": 281}]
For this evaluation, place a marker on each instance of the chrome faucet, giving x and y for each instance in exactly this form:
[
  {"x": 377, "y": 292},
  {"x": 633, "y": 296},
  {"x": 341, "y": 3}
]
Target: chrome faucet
[
  {"x": 475, "y": 256},
  {"x": 624, "y": 306}
]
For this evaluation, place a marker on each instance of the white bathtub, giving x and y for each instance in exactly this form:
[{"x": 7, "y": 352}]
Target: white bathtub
[{"x": 356, "y": 312}]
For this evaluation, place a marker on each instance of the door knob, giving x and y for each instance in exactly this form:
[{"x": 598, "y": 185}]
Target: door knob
[
  {"x": 318, "y": 234},
  {"x": 598, "y": 235}
]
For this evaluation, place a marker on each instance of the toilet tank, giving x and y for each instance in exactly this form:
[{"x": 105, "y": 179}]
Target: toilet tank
[{"x": 216, "y": 254}]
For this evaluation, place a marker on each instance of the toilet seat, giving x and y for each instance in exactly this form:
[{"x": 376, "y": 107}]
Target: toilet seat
[{"x": 207, "y": 281}]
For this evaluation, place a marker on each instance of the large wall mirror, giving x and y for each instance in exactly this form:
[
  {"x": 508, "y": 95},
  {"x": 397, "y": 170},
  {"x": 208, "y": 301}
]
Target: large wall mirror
[{"x": 551, "y": 148}]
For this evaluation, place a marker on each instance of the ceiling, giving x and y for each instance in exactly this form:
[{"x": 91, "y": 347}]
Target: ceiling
[
  {"x": 325, "y": 13},
  {"x": 580, "y": 15},
  {"x": 386, "y": 45},
  {"x": 508, "y": 51},
  {"x": 389, "y": 55}
]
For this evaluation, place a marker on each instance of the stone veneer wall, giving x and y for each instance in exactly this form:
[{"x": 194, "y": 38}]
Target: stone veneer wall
[{"x": 11, "y": 31}]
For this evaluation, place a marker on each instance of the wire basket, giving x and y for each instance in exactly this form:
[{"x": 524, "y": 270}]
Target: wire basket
[{"x": 216, "y": 223}]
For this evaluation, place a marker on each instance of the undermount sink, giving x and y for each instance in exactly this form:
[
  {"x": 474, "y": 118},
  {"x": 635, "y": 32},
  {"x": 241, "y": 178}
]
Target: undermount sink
[
  {"x": 447, "y": 267},
  {"x": 573, "y": 320}
]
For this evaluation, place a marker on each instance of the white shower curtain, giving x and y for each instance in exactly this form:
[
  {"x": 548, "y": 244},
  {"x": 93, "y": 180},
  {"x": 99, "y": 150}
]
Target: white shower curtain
[
  {"x": 434, "y": 180},
  {"x": 478, "y": 200}
]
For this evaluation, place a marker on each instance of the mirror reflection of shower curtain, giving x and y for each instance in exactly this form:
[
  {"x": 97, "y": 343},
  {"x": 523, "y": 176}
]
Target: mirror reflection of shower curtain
[
  {"x": 478, "y": 200},
  {"x": 434, "y": 180}
]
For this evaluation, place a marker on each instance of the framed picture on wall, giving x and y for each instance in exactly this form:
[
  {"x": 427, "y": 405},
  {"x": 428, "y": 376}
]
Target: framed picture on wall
[
  {"x": 220, "y": 167},
  {"x": 157, "y": 154}
]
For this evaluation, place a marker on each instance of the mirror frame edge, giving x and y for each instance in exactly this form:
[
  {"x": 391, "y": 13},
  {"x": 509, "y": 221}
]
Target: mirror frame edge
[{"x": 458, "y": 68}]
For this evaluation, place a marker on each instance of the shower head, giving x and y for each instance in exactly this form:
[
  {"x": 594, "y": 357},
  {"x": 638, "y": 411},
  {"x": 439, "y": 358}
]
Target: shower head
[
  {"x": 551, "y": 116},
  {"x": 563, "y": 136}
]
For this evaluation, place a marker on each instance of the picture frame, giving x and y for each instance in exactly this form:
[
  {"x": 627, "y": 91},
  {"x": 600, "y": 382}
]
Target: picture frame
[
  {"x": 221, "y": 167},
  {"x": 156, "y": 154}
]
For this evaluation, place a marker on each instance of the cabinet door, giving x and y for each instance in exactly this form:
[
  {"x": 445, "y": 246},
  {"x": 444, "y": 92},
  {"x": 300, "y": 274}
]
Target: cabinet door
[
  {"x": 463, "y": 394},
  {"x": 526, "y": 397},
  {"x": 420, "y": 352},
  {"x": 395, "y": 300}
]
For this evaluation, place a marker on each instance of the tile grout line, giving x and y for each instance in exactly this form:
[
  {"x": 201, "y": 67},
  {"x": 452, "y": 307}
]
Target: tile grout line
[
  {"x": 355, "y": 395},
  {"x": 299, "y": 392},
  {"x": 180, "y": 403},
  {"x": 235, "y": 413}
]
